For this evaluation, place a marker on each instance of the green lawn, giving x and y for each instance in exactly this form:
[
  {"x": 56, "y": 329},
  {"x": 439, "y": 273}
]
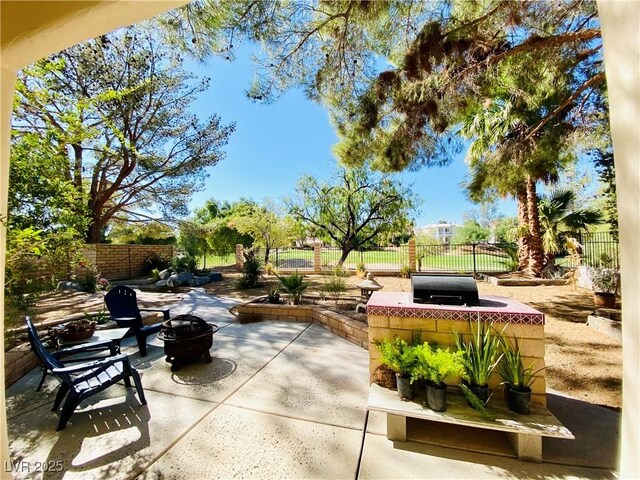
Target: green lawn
[{"x": 389, "y": 260}]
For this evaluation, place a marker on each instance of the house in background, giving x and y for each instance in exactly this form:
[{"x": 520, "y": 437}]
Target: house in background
[{"x": 441, "y": 231}]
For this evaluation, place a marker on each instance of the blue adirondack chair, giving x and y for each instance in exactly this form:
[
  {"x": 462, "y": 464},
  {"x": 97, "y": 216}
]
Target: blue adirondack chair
[
  {"x": 123, "y": 308},
  {"x": 83, "y": 380}
]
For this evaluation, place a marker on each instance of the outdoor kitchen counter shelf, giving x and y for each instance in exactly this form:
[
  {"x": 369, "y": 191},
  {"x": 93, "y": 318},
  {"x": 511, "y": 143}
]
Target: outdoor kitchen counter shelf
[{"x": 490, "y": 308}]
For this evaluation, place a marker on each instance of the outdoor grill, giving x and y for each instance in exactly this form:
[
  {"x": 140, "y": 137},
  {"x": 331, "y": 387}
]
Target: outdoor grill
[
  {"x": 444, "y": 289},
  {"x": 186, "y": 338}
]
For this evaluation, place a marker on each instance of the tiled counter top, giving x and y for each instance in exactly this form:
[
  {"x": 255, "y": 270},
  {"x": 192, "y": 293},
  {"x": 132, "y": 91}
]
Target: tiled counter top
[{"x": 492, "y": 308}]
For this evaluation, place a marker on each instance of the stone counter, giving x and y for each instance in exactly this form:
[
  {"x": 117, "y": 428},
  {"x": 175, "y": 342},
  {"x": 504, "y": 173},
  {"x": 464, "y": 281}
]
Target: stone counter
[{"x": 392, "y": 314}]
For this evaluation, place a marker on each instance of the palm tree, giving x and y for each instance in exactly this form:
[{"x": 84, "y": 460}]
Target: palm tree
[{"x": 559, "y": 217}]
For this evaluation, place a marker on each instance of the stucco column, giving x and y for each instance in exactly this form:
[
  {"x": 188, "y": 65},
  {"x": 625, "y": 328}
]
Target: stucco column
[
  {"x": 412, "y": 254},
  {"x": 621, "y": 39},
  {"x": 317, "y": 257},
  {"x": 239, "y": 257},
  {"x": 8, "y": 82}
]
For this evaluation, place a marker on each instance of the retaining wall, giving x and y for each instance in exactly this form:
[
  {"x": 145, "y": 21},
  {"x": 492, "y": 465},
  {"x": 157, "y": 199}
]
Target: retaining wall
[{"x": 351, "y": 330}]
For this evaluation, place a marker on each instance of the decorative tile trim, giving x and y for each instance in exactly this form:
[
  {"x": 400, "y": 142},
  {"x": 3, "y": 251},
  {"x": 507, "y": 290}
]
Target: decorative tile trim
[{"x": 485, "y": 316}]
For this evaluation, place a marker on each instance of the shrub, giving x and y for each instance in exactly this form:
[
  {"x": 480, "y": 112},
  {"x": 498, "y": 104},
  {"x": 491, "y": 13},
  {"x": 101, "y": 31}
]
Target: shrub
[
  {"x": 294, "y": 285},
  {"x": 335, "y": 287},
  {"x": 405, "y": 271},
  {"x": 435, "y": 365},
  {"x": 340, "y": 271},
  {"x": 603, "y": 280},
  {"x": 398, "y": 355},
  {"x": 511, "y": 263},
  {"x": 361, "y": 269},
  {"x": 154, "y": 262},
  {"x": 251, "y": 271},
  {"x": 155, "y": 274},
  {"x": 88, "y": 282},
  {"x": 184, "y": 263}
]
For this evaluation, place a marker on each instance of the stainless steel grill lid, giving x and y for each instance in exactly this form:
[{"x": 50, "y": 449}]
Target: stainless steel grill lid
[{"x": 444, "y": 289}]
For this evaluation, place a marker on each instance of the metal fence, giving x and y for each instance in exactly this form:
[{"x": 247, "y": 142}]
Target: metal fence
[
  {"x": 480, "y": 257},
  {"x": 375, "y": 258},
  {"x": 292, "y": 258},
  {"x": 599, "y": 249},
  {"x": 216, "y": 261}
]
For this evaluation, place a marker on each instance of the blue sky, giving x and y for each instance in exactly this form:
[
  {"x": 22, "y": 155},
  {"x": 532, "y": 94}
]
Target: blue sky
[{"x": 276, "y": 144}]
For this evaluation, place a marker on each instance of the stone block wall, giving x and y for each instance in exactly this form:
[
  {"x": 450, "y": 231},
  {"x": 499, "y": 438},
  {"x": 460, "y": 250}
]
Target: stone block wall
[
  {"x": 116, "y": 262},
  {"x": 18, "y": 362}
]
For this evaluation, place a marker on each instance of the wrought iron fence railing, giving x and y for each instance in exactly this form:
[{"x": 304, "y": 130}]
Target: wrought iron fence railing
[
  {"x": 474, "y": 257},
  {"x": 599, "y": 249}
]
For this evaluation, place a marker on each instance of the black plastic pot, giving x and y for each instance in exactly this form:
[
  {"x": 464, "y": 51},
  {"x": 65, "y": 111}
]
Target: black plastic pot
[
  {"x": 405, "y": 387},
  {"x": 274, "y": 298},
  {"x": 480, "y": 391},
  {"x": 519, "y": 401},
  {"x": 437, "y": 397}
]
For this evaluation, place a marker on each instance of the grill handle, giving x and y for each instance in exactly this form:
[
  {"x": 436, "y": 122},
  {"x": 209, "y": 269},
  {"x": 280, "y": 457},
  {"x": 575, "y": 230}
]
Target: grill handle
[{"x": 445, "y": 298}]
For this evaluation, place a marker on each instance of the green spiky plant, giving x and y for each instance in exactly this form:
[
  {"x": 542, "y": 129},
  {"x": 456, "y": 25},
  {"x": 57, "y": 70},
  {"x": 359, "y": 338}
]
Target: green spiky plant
[
  {"x": 294, "y": 285},
  {"x": 512, "y": 369},
  {"x": 482, "y": 353}
]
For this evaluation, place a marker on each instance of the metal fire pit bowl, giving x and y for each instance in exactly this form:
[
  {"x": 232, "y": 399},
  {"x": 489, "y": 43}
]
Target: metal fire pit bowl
[{"x": 186, "y": 338}]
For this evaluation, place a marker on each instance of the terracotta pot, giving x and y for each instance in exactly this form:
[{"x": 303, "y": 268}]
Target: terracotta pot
[{"x": 604, "y": 300}]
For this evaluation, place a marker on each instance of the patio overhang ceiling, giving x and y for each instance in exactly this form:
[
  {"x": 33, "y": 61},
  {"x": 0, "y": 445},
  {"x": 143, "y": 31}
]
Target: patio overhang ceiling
[{"x": 32, "y": 30}]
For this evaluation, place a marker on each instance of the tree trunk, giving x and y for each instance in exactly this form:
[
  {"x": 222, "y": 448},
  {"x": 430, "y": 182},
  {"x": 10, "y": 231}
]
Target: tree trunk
[
  {"x": 94, "y": 232},
  {"x": 343, "y": 257},
  {"x": 267, "y": 250},
  {"x": 523, "y": 237},
  {"x": 536, "y": 252}
]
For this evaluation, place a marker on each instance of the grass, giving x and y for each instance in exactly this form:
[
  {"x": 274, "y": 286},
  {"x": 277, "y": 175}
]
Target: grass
[
  {"x": 457, "y": 260},
  {"x": 390, "y": 259}
]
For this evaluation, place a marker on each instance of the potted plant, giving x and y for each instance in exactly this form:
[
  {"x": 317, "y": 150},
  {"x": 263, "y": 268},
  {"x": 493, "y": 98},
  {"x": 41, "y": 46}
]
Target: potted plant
[
  {"x": 516, "y": 377},
  {"x": 294, "y": 285},
  {"x": 604, "y": 284},
  {"x": 273, "y": 294},
  {"x": 435, "y": 366},
  {"x": 481, "y": 353},
  {"x": 400, "y": 357}
]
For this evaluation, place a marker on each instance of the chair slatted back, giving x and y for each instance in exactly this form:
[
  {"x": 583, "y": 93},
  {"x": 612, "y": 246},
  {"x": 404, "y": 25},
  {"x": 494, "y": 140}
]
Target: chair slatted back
[
  {"x": 48, "y": 360},
  {"x": 122, "y": 302}
]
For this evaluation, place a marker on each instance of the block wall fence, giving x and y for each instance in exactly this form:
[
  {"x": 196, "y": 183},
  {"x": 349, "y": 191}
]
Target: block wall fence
[{"x": 116, "y": 262}]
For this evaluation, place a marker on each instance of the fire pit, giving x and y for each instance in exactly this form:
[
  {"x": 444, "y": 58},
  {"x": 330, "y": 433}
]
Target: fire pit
[{"x": 186, "y": 338}]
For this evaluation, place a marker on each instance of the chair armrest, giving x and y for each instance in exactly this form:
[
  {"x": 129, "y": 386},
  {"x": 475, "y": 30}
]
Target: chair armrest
[
  {"x": 87, "y": 347},
  {"x": 91, "y": 365},
  {"x": 164, "y": 311},
  {"x": 131, "y": 322}
]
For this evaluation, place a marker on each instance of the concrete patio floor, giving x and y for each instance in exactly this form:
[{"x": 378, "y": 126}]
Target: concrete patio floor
[{"x": 279, "y": 400}]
